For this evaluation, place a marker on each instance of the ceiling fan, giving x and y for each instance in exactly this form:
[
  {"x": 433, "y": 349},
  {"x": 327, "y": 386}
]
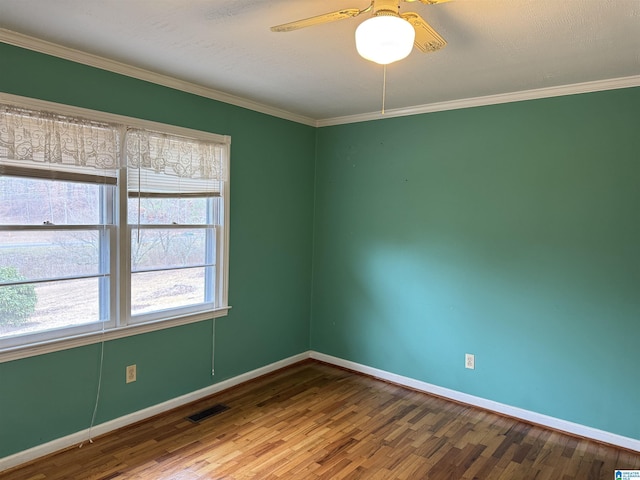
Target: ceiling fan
[{"x": 385, "y": 37}]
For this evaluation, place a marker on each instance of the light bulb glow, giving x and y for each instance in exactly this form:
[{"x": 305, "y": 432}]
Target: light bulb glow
[{"x": 385, "y": 39}]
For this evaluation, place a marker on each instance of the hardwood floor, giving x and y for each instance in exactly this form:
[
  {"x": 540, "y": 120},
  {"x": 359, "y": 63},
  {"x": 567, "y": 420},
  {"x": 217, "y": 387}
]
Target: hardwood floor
[{"x": 313, "y": 421}]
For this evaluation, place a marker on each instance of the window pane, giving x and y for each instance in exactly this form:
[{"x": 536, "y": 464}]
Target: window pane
[
  {"x": 25, "y": 201},
  {"x": 153, "y": 291},
  {"x": 51, "y": 253},
  {"x": 34, "y": 308},
  {"x": 166, "y": 211},
  {"x": 166, "y": 248}
]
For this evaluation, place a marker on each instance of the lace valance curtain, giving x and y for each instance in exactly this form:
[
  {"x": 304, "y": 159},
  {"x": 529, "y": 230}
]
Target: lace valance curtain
[
  {"x": 47, "y": 145},
  {"x": 50, "y": 145},
  {"x": 161, "y": 164}
]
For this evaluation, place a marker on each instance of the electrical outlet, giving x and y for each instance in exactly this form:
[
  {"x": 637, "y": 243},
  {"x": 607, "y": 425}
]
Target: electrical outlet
[
  {"x": 469, "y": 361},
  {"x": 131, "y": 373}
]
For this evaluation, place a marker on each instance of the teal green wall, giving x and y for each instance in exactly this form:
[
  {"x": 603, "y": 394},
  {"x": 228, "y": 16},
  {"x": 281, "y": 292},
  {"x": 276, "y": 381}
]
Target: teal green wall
[
  {"x": 272, "y": 168},
  {"x": 508, "y": 231}
]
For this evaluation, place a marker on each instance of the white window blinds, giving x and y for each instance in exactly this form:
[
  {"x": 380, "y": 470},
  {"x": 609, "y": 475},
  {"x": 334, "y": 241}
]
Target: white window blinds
[
  {"x": 46, "y": 145},
  {"x": 160, "y": 165}
]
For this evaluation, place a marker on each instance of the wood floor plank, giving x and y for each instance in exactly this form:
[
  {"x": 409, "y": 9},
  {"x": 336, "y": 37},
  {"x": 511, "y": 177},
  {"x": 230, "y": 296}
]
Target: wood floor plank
[{"x": 313, "y": 421}]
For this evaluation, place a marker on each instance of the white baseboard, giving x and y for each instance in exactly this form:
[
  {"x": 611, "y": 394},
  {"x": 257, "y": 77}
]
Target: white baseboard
[
  {"x": 519, "y": 413},
  {"x": 83, "y": 436}
]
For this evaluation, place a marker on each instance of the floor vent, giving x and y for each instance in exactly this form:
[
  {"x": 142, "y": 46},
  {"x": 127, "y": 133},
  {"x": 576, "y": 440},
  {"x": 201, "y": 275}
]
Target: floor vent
[{"x": 209, "y": 412}]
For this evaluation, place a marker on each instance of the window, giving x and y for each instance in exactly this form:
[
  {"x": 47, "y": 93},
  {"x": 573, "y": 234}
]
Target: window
[
  {"x": 174, "y": 217},
  {"x": 55, "y": 243},
  {"x": 172, "y": 262},
  {"x": 107, "y": 227}
]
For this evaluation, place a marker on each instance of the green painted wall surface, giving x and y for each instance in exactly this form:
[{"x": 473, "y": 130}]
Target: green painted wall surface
[
  {"x": 508, "y": 231},
  {"x": 272, "y": 171}
]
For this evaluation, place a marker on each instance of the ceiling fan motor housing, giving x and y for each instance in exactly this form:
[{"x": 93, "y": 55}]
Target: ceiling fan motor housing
[{"x": 386, "y": 7}]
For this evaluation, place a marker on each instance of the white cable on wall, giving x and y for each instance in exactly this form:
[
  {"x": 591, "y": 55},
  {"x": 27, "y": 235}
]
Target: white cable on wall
[
  {"x": 95, "y": 407},
  {"x": 101, "y": 367},
  {"x": 213, "y": 347}
]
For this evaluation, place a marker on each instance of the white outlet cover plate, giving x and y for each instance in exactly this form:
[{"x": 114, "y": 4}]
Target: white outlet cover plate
[
  {"x": 470, "y": 361},
  {"x": 131, "y": 374}
]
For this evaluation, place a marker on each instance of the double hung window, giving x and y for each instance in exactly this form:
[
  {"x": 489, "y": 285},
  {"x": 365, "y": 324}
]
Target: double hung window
[
  {"x": 174, "y": 215},
  {"x": 107, "y": 226}
]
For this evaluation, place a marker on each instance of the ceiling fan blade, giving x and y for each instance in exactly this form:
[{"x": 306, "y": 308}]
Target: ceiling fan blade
[
  {"x": 428, "y": 2},
  {"x": 326, "y": 18},
  {"x": 427, "y": 39}
]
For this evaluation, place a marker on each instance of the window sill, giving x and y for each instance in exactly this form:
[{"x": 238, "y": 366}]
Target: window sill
[{"x": 31, "y": 350}]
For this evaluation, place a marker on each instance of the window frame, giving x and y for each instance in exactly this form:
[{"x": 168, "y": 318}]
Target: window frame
[
  {"x": 121, "y": 322},
  {"x": 213, "y": 298},
  {"x": 107, "y": 239}
]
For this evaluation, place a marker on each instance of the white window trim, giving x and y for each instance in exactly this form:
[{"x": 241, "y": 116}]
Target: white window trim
[{"x": 115, "y": 332}]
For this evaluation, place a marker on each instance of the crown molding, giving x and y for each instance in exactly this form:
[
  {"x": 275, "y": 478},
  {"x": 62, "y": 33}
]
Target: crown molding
[
  {"x": 548, "y": 92},
  {"x": 78, "y": 56}
]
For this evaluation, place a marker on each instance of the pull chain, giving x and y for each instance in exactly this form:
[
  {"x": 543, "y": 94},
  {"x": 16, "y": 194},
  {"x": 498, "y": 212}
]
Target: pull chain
[{"x": 384, "y": 86}]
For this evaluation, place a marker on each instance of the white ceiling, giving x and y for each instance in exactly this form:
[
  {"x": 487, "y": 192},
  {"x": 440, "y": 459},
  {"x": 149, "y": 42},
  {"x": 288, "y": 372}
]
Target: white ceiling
[{"x": 494, "y": 47}]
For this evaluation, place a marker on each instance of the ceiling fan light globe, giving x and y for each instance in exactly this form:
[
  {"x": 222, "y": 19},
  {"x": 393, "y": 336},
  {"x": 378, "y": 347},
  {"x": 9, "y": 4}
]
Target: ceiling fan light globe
[{"x": 385, "y": 39}]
